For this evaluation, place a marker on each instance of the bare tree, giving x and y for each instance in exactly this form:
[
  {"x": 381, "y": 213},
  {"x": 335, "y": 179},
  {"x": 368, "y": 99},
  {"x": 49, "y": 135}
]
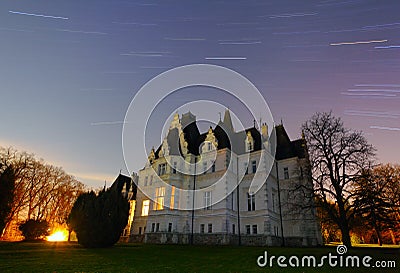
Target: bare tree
[
  {"x": 42, "y": 191},
  {"x": 337, "y": 156}
]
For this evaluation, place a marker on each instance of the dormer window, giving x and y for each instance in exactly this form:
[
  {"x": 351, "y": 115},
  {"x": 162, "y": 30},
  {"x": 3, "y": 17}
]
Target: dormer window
[
  {"x": 162, "y": 169},
  {"x": 250, "y": 146},
  {"x": 210, "y": 143},
  {"x": 249, "y": 143}
]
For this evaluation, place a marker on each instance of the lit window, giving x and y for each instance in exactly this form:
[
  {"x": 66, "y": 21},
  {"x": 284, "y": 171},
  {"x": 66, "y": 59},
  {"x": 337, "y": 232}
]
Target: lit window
[
  {"x": 254, "y": 166},
  {"x": 254, "y": 229},
  {"x": 248, "y": 229},
  {"x": 209, "y": 228},
  {"x": 202, "y": 227},
  {"x": 159, "y": 201},
  {"x": 207, "y": 200},
  {"x": 286, "y": 173},
  {"x": 145, "y": 207},
  {"x": 172, "y": 201},
  {"x": 162, "y": 169},
  {"x": 251, "y": 202}
]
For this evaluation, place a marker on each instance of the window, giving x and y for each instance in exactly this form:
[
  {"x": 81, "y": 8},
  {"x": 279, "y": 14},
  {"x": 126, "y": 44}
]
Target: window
[
  {"x": 273, "y": 201},
  {"x": 153, "y": 227},
  {"x": 140, "y": 230},
  {"x": 254, "y": 166},
  {"x": 301, "y": 172},
  {"x": 202, "y": 226},
  {"x": 250, "y": 146},
  {"x": 248, "y": 229},
  {"x": 145, "y": 180},
  {"x": 174, "y": 168},
  {"x": 207, "y": 200},
  {"x": 145, "y": 207},
  {"x": 276, "y": 231},
  {"x": 162, "y": 169},
  {"x": 286, "y": 173},
  {"x": 172, "y": 201},
  {"x": 213, "y": 167},
  {"x": 169, "y": 227},
  {"x": 209, "y": 228},
  {"x": 160, "y": 195},
  {"x": 246, "y": 168},
  {"x": 209, "y": 146},
  {"x": 254, "y": 229},
  {"x": 151, "y": 180},
  {"x": 251, "y": 202},
  {"x": 233, "y": 228},
  {"x": 204, "y": 167},
  {"x": 157, "y": 227}
]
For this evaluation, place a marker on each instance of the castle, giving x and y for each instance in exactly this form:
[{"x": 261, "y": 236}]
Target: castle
[{"x": 197, "y": 188}]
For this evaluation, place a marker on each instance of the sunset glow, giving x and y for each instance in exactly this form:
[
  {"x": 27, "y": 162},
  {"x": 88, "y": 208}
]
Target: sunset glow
[{"x": 58, "y": 236}]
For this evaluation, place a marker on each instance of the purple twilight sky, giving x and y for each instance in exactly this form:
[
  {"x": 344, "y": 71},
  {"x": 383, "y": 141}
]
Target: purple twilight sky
[{"x": 69, "y": 69}]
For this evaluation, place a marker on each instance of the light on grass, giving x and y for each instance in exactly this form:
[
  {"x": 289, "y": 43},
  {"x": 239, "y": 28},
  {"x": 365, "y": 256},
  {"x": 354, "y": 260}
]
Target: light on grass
[{"x": 58, "y": 236}]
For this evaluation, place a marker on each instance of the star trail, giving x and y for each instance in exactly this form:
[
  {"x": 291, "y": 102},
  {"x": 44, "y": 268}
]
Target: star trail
[{"x": 69, "y": 70}]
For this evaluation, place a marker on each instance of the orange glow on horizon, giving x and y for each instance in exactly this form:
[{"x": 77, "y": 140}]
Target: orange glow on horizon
[{"x": 60, "y": 235}]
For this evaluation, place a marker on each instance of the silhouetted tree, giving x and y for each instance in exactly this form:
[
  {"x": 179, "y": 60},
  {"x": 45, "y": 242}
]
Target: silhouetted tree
[
  {"x": 377, "y": 199},
  {"x": 99, "y": 220},
  {"x": 337, "y": 156},
  {"x": 7, "y": 185},
  {"x": 34, "y": 229}
]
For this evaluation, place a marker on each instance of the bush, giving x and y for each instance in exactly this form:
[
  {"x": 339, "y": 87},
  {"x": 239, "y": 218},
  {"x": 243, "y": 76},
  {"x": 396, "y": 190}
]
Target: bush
[
  {"x": 34, "y": 229},
  {"x": 98, "y": 220}
]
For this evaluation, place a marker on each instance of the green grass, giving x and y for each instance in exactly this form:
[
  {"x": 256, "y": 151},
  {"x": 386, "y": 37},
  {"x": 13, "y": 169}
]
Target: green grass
[{"x": 70, "y": 257}]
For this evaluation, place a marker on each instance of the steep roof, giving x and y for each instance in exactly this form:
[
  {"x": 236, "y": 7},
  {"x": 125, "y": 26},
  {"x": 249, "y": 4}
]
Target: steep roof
[
  {"x": 123, "y": 180},
  {"x": 228, "y": 138},
  {"x": 285, "y": 148}
]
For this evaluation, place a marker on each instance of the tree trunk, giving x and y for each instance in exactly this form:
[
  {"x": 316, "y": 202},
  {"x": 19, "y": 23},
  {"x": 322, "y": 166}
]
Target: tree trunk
[
  {"x": 345, "y": 235},
  {"x": 378, "y": 234},
  {"x": 344, "y": 223},
  {"x": 393, "y": 238}
]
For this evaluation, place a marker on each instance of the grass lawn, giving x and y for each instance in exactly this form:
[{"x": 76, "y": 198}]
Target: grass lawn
[{"x": 70, "y": 257}]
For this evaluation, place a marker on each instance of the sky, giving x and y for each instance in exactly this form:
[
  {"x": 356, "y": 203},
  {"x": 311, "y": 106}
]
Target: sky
[{"x": 70, "y": 69}]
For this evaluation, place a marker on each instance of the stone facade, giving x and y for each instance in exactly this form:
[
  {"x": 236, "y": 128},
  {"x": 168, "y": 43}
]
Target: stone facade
[{"x": 225, "y": 201}]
